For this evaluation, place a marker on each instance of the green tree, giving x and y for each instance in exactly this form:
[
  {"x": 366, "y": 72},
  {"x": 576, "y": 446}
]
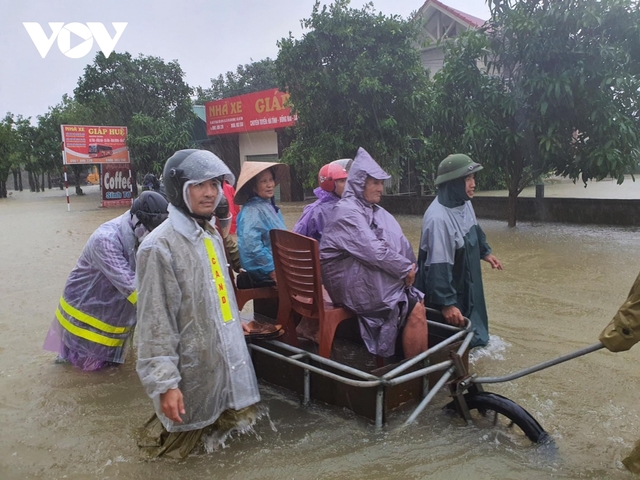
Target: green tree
[
  {"x": 48, "y": 140},
  {"x": 155, "y": 140},
  {"x": 119, "y": 87},
  {"x": 140, "y": 93},
  {"x": 249, "y": 78},
  {"x": 559, "y": 93},
  {"x": 355, "y": 80},
  {"x": 7, "y": 142},
  {"x": 24, "y": 152}
]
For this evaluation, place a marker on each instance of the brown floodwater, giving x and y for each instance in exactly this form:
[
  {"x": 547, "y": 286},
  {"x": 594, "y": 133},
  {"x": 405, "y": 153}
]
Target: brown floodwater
[{"x": 561, "y": 285}]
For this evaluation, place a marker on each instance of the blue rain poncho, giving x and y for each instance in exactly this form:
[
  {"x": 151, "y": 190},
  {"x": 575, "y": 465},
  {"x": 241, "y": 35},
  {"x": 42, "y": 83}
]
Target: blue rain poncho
[
  {"x": 97, "y": 311},
  {"x": 314, "y": 216},
  {"x": 255, "y": 220},
  {"x": 365, "y": 258},
  {"x": 451, "y": 247},
  {"x": 190, "y": 335}
]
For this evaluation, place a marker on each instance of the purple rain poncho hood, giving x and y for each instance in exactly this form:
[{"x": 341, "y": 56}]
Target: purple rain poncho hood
[
  {"x": 365, "y": 258},
  {"x": 315, "y": 215}
]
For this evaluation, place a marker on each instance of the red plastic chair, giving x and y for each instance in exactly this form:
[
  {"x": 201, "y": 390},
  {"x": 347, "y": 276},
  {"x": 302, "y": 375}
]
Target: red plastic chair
[{"x": 297, "y": 263}]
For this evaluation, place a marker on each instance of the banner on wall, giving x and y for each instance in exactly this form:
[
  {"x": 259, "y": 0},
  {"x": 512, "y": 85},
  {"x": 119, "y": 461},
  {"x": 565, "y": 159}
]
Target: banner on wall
[
  {"x": 86, "y": 144},
  {"x": 116, "y": 185},
  {"x": 252, "y": 112}
]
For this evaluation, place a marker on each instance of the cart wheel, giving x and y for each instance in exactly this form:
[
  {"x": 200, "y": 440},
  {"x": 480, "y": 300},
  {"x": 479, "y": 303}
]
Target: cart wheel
[{"x": 491, "y": 405}]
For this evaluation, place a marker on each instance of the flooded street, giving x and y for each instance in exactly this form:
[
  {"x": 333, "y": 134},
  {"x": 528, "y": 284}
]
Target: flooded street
[
  {"x": 565, "y": 187},
  {"x": 561, "y": 285}
]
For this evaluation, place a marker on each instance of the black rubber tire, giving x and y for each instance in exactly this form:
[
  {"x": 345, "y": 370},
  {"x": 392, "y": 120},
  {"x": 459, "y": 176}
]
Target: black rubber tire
[{"x": 483, "y": 401}]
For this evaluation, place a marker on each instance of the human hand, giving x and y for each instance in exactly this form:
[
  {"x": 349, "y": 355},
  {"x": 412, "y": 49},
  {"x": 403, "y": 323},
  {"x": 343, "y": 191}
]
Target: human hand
[
  {"x": 411, "y": 276},
  {"x": 172, "y": 404},
  {"x": 493, "y": 261},
  {"x": 222, "y": 210},
  {"x": 272, "y": 276},
  {"x": 453, "y": 316}
]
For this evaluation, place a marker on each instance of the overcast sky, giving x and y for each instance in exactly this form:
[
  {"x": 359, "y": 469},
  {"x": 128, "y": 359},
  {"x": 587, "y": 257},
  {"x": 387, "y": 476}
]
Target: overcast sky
[{"x": 207, "y": 37}]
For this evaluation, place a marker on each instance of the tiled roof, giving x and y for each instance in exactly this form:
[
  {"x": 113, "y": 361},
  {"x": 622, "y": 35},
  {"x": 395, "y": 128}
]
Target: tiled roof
[{"x": 465, "y": 17}]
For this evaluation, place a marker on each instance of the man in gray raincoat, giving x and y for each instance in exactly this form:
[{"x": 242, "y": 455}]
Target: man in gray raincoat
[
  {"x": 451, "y": 247},
  {"x": 192, "y": 357},
  {"x": 368, "y": 264}
]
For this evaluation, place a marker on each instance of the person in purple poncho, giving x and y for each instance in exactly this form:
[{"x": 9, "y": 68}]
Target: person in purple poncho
[
  {"x": 97, "y": 311},
  {"x": 332, "y": 179},
  {"x": 368, "y": 265}
]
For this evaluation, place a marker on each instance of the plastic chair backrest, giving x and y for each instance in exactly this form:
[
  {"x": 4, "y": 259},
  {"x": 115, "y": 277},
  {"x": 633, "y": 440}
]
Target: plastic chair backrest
[{"x": 297, "y": 263}]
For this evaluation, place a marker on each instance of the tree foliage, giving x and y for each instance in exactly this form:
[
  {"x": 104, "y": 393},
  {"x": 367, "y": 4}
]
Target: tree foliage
[
  {"x": 155, "y": 140},
  {"x": 558, "y": 92},
  {"x": 37, "y": 149},
  {"x": 249, "y": 78},
  {"x": 7, "y": 142},
  {"x": 355, "y": 80},
  {"x": 119, "y": 87},
  {"x": 48, "y": 141},
  {"x": 144, "y": 94}
]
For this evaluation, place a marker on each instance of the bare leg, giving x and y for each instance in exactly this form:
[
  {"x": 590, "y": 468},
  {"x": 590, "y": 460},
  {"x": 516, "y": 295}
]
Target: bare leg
[{"x": 414, "y": 335}]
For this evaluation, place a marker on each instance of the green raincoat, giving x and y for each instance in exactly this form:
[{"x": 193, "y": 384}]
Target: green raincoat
[{"x": 451, "y": 247}]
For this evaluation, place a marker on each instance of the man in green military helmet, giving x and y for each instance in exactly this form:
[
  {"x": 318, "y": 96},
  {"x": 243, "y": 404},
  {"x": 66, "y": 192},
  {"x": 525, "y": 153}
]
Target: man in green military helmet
[{"x": 451, "y": 247}]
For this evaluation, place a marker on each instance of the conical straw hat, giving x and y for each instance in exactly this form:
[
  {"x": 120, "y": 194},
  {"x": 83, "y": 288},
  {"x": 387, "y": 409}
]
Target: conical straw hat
[{"x": 251, "y": 169}]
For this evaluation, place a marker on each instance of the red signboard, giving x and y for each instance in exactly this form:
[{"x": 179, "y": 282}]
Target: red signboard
[
  {"x": 263, "y": 110},
  {"x": 116, "y": 185},
  {"x": 94, "y": 144}
]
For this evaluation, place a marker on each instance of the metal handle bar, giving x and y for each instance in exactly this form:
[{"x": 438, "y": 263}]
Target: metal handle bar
[{"x": 540, "y": 366}]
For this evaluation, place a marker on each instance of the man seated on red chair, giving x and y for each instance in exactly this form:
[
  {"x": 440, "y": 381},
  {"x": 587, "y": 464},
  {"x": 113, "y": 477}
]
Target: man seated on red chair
[{"x": 369, "y": 267}]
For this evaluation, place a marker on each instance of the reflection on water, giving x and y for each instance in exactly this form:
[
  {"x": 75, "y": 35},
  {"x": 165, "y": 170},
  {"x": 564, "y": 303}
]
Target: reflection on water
[{"x": 560, "y": 286}]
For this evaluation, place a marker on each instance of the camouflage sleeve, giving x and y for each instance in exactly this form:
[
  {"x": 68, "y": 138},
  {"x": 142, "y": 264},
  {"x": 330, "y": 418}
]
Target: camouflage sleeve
[
  {"x": 231, "y": 249},
  {"x": 623, "y": 332}
]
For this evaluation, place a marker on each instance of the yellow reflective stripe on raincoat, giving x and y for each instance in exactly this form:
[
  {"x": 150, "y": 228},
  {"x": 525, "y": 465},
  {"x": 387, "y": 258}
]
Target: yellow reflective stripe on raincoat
[
  {"x": 218, "y": 278},
  {"x": 133, "y": 298},
  {"x": 89, "y": 320},
  {"x": 86, "y": 334}
]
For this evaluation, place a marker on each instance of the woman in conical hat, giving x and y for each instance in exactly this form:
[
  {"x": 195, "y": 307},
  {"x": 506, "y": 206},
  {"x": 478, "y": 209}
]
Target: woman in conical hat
[{"x": 258, "y": 216}]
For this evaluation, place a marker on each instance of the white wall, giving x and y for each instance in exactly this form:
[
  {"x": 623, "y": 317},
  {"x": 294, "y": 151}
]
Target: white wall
[
  {"x": 432, "y": 60},
  {"x": 258, "y": 143}
]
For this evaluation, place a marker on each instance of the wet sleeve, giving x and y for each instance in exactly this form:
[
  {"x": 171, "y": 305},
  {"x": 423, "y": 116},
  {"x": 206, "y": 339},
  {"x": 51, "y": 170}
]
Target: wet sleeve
[
  {"x": 318, "y": 221},
  {"x": 255, "y": 254},
  {"x": 436, "y": 260},
  {"x": 159, "y": 299},
  {"x": 108, "y": 256},
  {"x": 623, "y": 332},
  {"x": 485, "y": 249},
  {"x": 438, "y": 284},
  {"x": 299, "y": 228},
  {"x": 352, "y": 234},
  {"x": 231, "y": 249},
  {"x": 312, "y": 227}
]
